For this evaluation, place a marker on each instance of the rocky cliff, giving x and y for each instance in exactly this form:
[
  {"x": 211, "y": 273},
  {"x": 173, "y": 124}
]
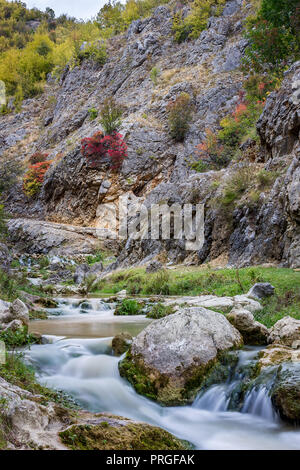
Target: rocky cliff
[{"x": 260, "y": 229}]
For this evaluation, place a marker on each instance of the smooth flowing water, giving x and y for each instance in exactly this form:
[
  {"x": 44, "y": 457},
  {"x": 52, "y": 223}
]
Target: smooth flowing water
[{"x": 79, "y": 361}]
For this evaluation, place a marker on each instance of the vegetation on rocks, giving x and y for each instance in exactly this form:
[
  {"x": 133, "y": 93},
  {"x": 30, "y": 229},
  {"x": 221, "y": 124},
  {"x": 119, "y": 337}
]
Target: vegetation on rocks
[
  {"x": 274, "y": 38},
  {"x": 34, "y": 178},
  {"x": 159, "y": 310},
  {"x": 16, "y": 372},
  {"x": 190, "y": 26},
  {"x": 179, "y": 115},
  {"x": 131, "y": 436},
  {"x": 129, "y": 307},
  {"x": 98, "y": 147},
  {"x": 18, "y": 338}
]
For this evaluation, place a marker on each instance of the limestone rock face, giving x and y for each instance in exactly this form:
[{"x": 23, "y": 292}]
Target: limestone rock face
[
  {"x": 169, "y": 359},
  {"x": 286, "y": 332},
  {"x": 47, "y": 238},
  {"x": 253, "y": 332},
  {"x": 154, "y": 266},
  {"x": 81, "y": 273},
  {"x": 158, "y": 168},
  {"x": 279, "y": 123}
]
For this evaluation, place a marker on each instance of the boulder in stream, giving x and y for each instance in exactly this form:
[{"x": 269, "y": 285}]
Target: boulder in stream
[
  {"x": 121, "y": 343},
  {"x": 169, "y": 360},
  {"x": 253, "y": 332},
  {"x": 286, "y": 392},
  {"x": 286, "y": 332}
]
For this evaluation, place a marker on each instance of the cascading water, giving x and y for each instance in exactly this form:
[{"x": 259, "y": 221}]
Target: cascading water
[
  {"x": 257, "y": 400},
  {"x": 86, "y": 369}
]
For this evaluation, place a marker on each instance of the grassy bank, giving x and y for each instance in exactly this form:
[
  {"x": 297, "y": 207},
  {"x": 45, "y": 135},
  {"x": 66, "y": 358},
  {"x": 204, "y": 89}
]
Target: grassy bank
[{"x": 222, "y": 282}]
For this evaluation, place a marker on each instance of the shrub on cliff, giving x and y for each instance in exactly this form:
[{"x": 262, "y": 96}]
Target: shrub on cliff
[
  {"x": 98, "y": 147},
  {"x": 110, "y": 116},
  {"x": 179, "y": 116},
  {"x": 38, "y": 157},
  {"x": 34, "y": 178},
  {"x": 191, "y": 26},
  {"x": 94, "y": 51},
  {"x": 220, "y": 147}
]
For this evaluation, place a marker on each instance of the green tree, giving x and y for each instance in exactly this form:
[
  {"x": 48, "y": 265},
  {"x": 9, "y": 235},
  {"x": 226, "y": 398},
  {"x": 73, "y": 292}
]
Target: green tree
[{"x": 274, "y": 36}]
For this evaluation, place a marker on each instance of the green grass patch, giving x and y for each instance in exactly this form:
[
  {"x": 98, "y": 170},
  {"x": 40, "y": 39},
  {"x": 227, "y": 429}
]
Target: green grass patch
[
  {"x": 17, "y": 339},
  {"x": 129, "y": 307},
  {"x": 223, "y": 282},
  {"x": 160, "y": 311}
]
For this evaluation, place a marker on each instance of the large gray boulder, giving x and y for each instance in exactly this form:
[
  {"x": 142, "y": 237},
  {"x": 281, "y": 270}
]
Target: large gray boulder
[
  {"x": 261, "y": 290},
  {"x": 253, "y": 332},
  {"x": 169, "y": 360},
  {"x": 286, "y": 332}
]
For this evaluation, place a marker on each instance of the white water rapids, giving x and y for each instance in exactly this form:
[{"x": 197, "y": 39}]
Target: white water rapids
[{"x": 79, "y": 361}]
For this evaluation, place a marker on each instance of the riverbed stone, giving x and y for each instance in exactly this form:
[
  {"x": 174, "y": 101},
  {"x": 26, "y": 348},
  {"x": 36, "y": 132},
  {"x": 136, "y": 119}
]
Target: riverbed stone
[
  {"x": 286, "y": 393},
  {"x": 116, "y": 433},
  {"x": 169, "y": 360},
  {"x": 253, "y": 332},
  {"x": 121, "y": 343},
  {"x": 276, "y": 354},
  {"x": 286, "y": 332}
]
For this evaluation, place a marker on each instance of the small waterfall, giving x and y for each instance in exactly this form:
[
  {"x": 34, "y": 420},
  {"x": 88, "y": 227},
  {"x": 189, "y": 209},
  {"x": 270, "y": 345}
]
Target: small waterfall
[
  {"x": 75, "y": 307},
  {"x": 228, "y": 396},
  {"x": 215, "y": 399},
  {"x": 258, "y": 402}
]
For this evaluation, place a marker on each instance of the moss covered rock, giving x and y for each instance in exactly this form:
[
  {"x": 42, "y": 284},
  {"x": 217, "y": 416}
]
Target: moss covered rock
[
  {"x": 170, "y": 359},
  {"x": 286, "y": 393},
  {"x": 113, "y": 433},
  {"x": 121, "y": 343}
]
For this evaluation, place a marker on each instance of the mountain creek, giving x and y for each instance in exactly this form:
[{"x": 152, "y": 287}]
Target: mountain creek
[{"x": 78, "y": 359}]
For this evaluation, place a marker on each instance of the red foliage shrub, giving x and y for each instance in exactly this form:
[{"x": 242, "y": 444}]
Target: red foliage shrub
[
  {"x": 98, "y": 147},
  {"x": 34, "y": 178}
]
